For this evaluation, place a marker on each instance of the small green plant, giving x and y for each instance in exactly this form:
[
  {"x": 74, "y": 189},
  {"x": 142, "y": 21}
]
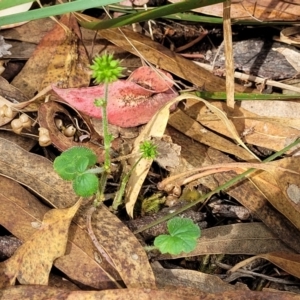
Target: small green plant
[
  {"x": 75, "y": 165},
  {"x": 182, "y": 237},
  {"x": 106, "y": 70}
]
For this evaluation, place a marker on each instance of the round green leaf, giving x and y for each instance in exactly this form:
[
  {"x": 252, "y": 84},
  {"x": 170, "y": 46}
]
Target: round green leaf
[
  {"x": 183, "y": 227},
  {"x": 183, "y": 237},
  {"x": 86, "y": 184},
  {"x": 73, "y": 162}
]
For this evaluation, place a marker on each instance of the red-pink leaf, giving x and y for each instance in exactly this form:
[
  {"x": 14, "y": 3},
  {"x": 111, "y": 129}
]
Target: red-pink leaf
[
  {"x": 153, "y": 79},
  {"x": 129, "y": 104}
]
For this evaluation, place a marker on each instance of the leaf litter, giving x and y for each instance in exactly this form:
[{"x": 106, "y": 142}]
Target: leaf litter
[{"x": 123, "y": 248}]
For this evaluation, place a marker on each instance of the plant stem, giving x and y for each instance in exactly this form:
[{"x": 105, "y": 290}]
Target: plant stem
[
  {"x": 150, "y": 248},
  {"x": 224, "y": 186},
  {"x": 107, "y": 143},
  {"x": 119, "y": 195},
  {"x": 106, "y": 135},
  {"x": 96, "y": 170}
]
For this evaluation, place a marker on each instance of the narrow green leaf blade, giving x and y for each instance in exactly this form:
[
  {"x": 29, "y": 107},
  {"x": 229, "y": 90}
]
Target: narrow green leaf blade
[
  {"x": 54, "y": 10},
  {"x": 151, "y": 14},
  {"x": 11, "y": 3}
]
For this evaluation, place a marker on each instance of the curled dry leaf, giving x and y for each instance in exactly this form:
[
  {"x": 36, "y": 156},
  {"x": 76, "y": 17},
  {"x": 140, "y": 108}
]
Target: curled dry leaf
[
  {"x": 289, "y": 35},
  {"x": 47, "y": 115},
  {"x": 129, "y": 104}
]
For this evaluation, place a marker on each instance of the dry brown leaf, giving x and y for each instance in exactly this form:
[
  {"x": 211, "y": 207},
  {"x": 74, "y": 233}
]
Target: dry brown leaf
[
  {"x": 228, "y": 49},
  {"x": 32, "y": 262},
  {"x": 11, "y": 93},
  {"x": 36, "y": 172},
  {"x": 288, "y": 262},
  {"x": 189, "y": 278},
  {"x": 262, "y": 10},
  {"x": 243, "y": 238},
  {"x": 69, "y": 66},
  {"x": 191, "y": 175},
  {"x": 31, "y": 32},
  {"x": 125, "y": 250},
  {"x": 57, "y": 50},
  {"x": 185, "y": 124},
  {"x": 258, "y": 132},
  {"x": 172, "y": 293},
  {"x": 282, "y": 189},
  {"x": 226, "y": 122}
]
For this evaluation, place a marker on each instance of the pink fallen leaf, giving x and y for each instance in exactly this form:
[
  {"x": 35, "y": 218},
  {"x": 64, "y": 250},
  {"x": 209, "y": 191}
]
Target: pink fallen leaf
[
  {"x": 153, "y": 79},
  {"x": 129, "y": 104}
]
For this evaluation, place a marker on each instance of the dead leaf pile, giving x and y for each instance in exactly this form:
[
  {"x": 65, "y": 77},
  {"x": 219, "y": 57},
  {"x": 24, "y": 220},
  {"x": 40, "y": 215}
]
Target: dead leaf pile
[{"x": 201, "y": 143}]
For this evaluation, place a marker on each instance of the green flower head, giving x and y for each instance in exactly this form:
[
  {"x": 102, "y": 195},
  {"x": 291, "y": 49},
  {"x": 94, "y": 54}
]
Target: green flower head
[
  {"x": 148, "y": 150},
  {"x": 106, "y": 69}
]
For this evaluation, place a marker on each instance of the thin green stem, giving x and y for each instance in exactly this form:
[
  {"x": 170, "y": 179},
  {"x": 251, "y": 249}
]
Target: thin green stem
[
  {"x": 218, "y": 189},
  {"x": 150, "y": 248},
  {"x": 106, "y": 135},
  {"x": 119, "y": 195},
  {"x": 107, "y": 143},
  {"x": 97, "y": 170}
]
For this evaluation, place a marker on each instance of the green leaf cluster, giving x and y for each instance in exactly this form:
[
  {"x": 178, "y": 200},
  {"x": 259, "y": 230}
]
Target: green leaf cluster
[
  {"x": 182, "y": 238},
  {"x": 73, "y": 164}
]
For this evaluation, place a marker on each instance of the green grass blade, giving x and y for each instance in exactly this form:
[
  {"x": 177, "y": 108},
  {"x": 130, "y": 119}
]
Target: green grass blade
[
  {"x": 54, "y": 10},
  {"x": 10, "y": 3},
  {"x": 151, "y": 14},
  {"x": 194, "y": 17},
  {"x": 244, "y": 96}
]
